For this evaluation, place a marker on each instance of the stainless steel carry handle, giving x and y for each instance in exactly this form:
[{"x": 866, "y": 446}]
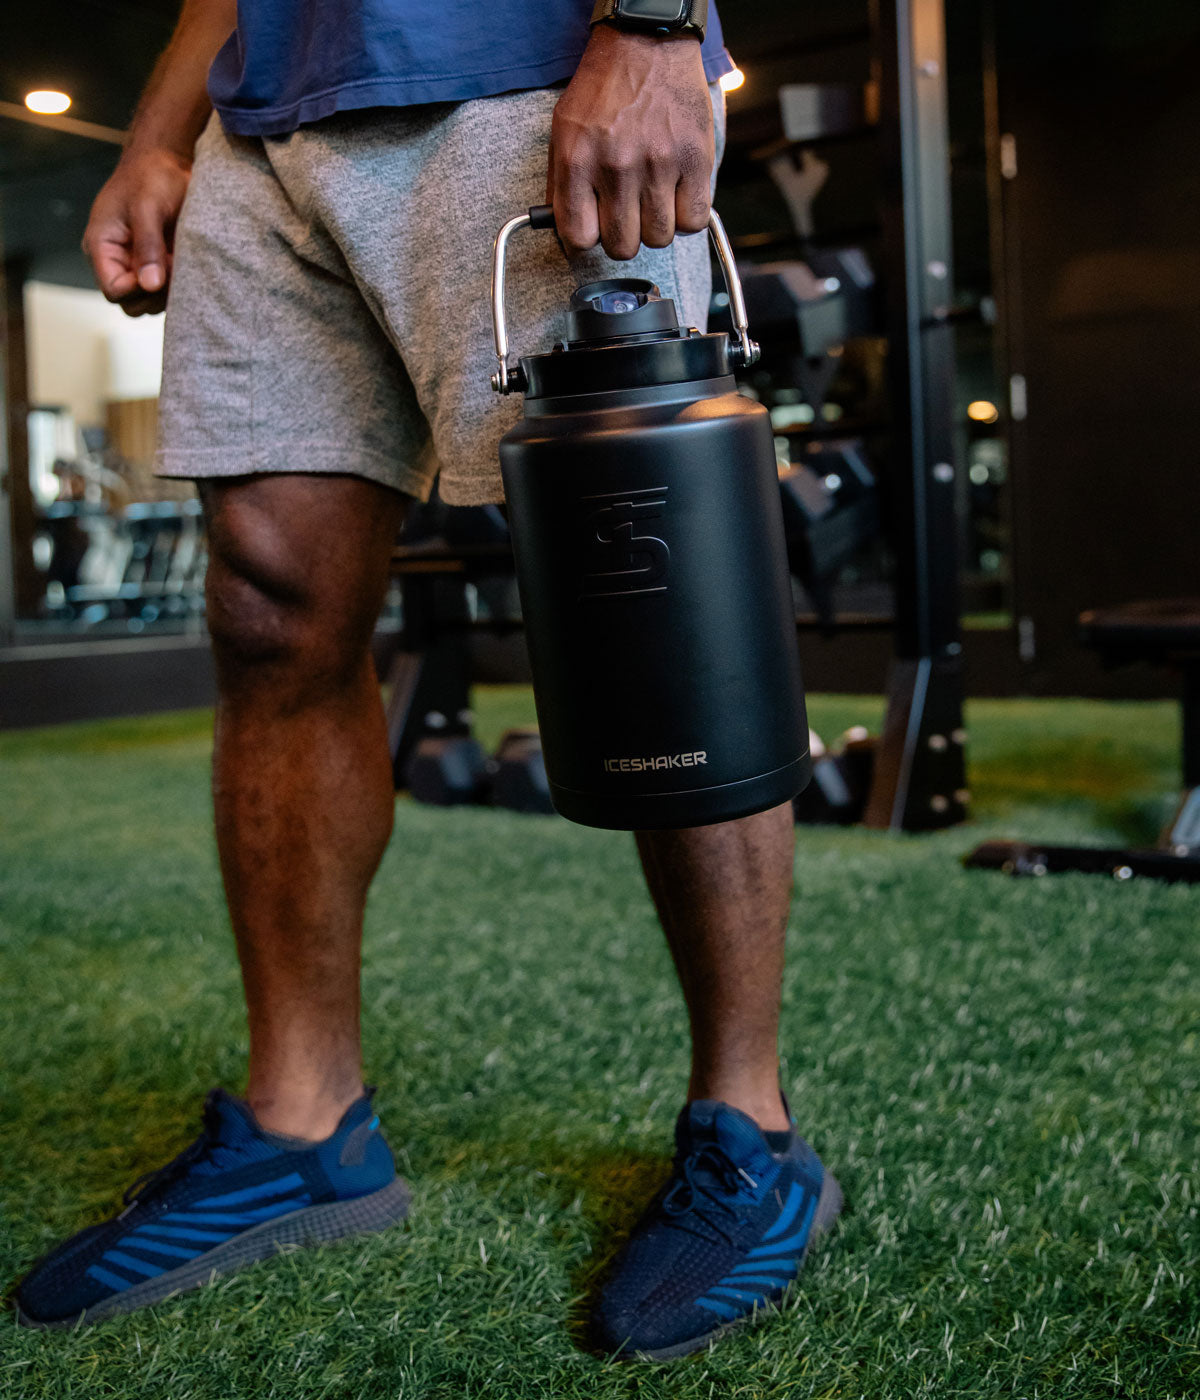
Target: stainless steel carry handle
[{"x": 507, "y": 381}]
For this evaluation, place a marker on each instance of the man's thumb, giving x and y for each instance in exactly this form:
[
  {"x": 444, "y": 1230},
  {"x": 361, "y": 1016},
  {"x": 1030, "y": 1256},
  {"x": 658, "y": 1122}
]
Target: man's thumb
[{"x": 149, "y": 247}]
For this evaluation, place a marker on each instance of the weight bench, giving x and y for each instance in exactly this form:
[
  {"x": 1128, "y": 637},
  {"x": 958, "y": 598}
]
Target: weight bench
[
  {"x": 1167, "y": 633},
  {"x": 429, "y": 671}
]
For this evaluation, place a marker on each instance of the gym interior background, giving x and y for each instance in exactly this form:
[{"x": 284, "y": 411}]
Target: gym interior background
[{"x": 971, "y": 251}]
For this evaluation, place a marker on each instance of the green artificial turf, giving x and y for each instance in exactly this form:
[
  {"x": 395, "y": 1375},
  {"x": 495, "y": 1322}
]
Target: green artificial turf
[{"x": 1003, "y": 1074}]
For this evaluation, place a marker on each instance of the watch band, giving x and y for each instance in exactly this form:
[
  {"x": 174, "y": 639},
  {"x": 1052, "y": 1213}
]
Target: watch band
[{"x": 654, "y": 16}]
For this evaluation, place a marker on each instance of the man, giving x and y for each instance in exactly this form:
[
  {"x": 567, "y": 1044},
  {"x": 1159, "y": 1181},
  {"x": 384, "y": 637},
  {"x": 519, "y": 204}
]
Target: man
[{"x": 327, "y": 350}]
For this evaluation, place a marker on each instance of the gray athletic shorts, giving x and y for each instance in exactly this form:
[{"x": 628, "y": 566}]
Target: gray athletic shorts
[{"x": 330, "y": 306}]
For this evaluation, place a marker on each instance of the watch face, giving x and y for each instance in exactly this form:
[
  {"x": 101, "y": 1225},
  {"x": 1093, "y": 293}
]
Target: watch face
[{"x": 654, "y": 11}]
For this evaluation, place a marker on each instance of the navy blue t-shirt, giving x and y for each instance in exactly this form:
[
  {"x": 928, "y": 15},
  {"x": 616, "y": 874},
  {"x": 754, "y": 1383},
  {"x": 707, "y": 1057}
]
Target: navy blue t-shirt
[{"x": 295, "y": 61}]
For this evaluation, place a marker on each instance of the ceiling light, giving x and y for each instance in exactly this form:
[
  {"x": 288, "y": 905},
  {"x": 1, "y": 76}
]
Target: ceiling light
[
  {"x": 981, "y": 411},
  {"x": 46, "y": 101},
  {"x": 730, "y": 82}
]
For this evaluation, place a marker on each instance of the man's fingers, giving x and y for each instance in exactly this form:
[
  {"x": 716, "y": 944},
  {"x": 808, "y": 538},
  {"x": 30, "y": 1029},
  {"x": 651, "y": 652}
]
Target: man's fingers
[
  {"x": 576, "y": 216},
  {"x": 116, "y": 278},
  {"x": 625, "y": 214},
  {"x": 106, "y": 242},
  {"x": 620, "y": 212},
  {"x": 149, "y": 246},
  {"x": 139, "y": 303},
  {"x": 624, "y": 194},
  {"x": 550, "y": 165},
  {"x": 693, "y": 203},
  {"x": 620, "y": 207},
  {"x": 577, "y": 219},
  {"x": 658, "y": 215}
]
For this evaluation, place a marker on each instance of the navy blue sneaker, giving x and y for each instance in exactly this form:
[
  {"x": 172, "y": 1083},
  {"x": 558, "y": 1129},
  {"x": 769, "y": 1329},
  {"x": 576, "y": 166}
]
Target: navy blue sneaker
[
  {"x": 721, "y": 1241},
  {"x": 237, "y": 1194}
]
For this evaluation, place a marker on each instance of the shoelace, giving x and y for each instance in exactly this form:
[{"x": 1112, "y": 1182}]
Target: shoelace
[
  {"x": 683, "y": 1197},
  {"x": 161, "y": 1177}
]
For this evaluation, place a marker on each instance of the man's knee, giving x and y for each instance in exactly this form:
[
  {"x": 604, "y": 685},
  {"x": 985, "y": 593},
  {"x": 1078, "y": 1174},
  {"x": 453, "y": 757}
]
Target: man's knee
[{"x": 279, "y": 616}]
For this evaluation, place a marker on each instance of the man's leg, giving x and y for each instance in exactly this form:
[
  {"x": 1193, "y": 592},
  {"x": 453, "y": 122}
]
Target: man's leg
[
  {"x": 722, "y": 893},
  {"x": 303, "y": 793},
  {"x": 302, "y": 781},
  {"x": 730, "y": 1230}
]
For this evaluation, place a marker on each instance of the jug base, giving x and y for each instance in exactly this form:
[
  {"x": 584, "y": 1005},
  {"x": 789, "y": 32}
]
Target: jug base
[{"x": 661, "y": 811}]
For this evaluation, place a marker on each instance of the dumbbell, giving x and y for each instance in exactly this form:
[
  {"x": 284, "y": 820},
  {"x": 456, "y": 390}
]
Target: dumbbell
[
  {"x": 456, "y": 771},
  {"x": 855, "y": 752},
  {"x": 518, "y": 773},
  {"x": 841, "y": 779},
  {"x": 449, "y": 772}
]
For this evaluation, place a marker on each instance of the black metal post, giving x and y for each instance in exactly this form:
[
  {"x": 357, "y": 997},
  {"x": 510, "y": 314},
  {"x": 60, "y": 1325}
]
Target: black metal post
[
  {"x": 26, "y": 582},
  {"x": 920, "y": 771},
  {"x": 1191, "y": 724},
  {"x": 429, "y": 675}
]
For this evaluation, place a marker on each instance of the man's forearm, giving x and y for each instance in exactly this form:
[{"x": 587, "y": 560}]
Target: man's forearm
[{"x": 175, "y": 105}]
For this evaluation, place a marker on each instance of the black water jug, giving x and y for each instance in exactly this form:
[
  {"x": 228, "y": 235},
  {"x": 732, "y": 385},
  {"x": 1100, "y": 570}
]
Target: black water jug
[{"x": 643, "y": 500}]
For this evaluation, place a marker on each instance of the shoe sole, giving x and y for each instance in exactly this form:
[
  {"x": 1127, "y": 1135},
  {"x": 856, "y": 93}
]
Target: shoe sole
[
  {"x": 829, "y": 1206},
  {"x": 363, "y": 1215}
]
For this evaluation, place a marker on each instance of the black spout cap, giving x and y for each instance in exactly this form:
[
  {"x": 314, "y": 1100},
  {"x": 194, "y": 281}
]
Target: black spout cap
[
  {"x": 608, "y": 311},
  {"x": 619, "y": 307}
]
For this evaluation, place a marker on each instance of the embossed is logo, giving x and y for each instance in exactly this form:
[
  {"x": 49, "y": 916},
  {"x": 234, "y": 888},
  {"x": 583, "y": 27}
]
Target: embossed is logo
[{"x": 625, "y": 551}]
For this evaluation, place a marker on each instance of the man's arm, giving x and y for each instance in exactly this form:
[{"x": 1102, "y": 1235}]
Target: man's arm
[
  {"x": 129, "y": 234},
  {"x": 631, "y": 147}
]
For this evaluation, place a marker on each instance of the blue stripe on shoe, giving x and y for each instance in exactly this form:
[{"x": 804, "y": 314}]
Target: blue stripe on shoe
[
  {"x": 183, "y": 1232},
  {"x": 779, "y": 1281},
  {"x": 794, "y": 1243},
  {"x": 757, "y": 1266},
  {"x": 262, "y": 1192},
  {"x": 172, "y": 1251},
  {"x": 791, "y": 1209},
  {"x": 110, "y": 1280},
  {"x": 138, "y": 1266},
  {"x": 716, "y": 1306},
  {"x": 241, "y": 1217}
]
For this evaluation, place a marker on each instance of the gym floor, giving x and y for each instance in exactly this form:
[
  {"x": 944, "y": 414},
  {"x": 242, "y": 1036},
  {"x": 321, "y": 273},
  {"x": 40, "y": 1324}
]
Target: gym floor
[{"x": 1004, "y": 1074}]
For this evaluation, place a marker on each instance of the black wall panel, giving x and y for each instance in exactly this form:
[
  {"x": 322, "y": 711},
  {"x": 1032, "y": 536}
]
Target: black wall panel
[{"x": 1101, "y": 293}]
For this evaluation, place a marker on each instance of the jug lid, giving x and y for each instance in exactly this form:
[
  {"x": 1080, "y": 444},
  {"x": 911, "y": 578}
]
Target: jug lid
[
  {"x": 622, "y": 333},
  {"x": 621, "y": 307}
]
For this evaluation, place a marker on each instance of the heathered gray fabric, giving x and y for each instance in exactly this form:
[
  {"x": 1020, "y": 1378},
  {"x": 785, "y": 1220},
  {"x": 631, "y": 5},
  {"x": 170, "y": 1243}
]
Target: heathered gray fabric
[{"x": 330, "y": 307}]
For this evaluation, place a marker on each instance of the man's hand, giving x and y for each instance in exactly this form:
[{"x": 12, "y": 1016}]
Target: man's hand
[
  {"x": 631, "y": 145},
  {"x": 132, "y": 227}
]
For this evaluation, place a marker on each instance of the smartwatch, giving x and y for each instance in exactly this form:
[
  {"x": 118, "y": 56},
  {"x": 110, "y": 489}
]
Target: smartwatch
[{"x": 654, "y": 16}]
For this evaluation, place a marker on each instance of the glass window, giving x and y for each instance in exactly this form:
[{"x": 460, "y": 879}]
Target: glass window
[{"x": 99, "y": 545}]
